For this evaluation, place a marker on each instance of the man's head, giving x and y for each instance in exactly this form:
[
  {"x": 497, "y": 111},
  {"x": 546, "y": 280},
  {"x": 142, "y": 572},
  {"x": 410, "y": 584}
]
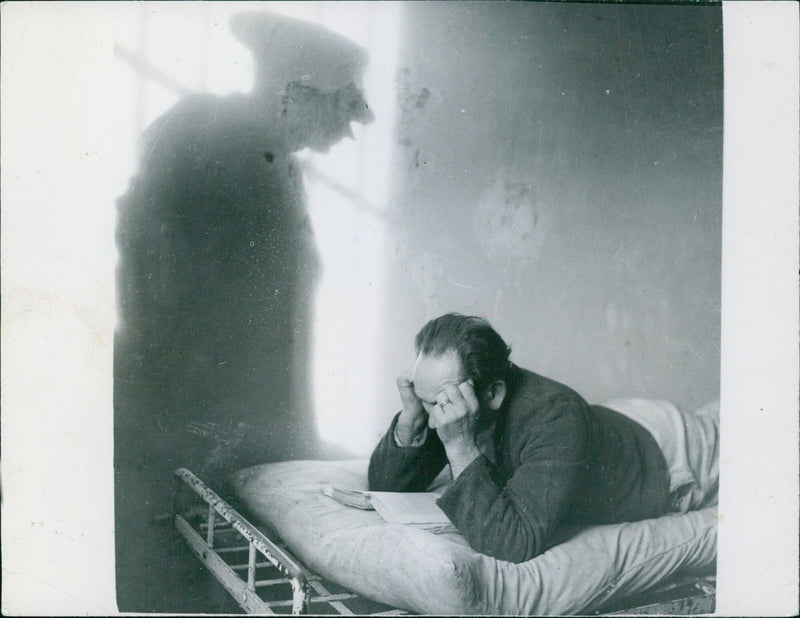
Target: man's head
[
  {"x": 454, "y": 348},
  {"x": 320, "y": 119},
  {"x": 310, "y": 73}
]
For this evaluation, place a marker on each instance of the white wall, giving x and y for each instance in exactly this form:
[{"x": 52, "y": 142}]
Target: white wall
[{"x": 559, "y": 170}]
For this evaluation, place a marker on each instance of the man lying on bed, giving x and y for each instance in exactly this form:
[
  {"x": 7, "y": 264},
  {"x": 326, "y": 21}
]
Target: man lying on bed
[{"x": 527, "y": 454}]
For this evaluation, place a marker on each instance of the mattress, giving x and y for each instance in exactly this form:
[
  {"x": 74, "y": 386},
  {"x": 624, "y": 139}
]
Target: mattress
[{"x": 427, "y": 573}]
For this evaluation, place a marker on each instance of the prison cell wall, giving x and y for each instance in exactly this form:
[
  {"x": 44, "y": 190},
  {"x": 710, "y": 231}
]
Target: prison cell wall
[{"x": 558, "y": 171}]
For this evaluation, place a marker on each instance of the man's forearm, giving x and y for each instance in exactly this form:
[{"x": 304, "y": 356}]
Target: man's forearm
[
  {"x": 405, "y": 468},
  {"x": 461, "y": 458},
  {"x": 490, "y": 516},
  {"x": 410, "y": 432}
]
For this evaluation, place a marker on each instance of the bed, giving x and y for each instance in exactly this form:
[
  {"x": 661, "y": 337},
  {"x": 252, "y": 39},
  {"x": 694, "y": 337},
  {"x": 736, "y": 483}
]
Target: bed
[{"x": 288, "y": 548}]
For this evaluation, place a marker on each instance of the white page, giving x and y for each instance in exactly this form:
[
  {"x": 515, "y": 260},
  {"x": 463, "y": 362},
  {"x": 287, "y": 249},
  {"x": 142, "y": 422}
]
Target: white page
[{"x": 408, "y": 507}]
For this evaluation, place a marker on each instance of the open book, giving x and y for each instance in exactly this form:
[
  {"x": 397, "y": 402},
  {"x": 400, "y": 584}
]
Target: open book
[{"x": 416, "y": 508}]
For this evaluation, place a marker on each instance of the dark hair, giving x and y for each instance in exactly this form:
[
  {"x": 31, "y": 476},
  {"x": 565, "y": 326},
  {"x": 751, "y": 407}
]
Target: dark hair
[{"x": 482, "y": 352}]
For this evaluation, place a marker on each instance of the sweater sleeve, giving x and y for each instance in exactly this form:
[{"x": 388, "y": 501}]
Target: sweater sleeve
[
  {"x": 514, "y": 520},
  {"x": 405, "y": 468}
]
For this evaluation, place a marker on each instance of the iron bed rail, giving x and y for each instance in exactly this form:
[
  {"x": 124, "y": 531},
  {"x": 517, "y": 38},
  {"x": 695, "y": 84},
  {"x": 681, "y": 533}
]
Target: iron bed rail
[
  {"x": 257, "y": 543},
  {"x": 213, "y": 540}
]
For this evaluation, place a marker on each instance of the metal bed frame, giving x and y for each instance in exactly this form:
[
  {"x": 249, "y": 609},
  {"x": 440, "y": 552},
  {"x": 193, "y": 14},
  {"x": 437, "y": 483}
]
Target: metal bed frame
[{"x": 264, "y": 578}]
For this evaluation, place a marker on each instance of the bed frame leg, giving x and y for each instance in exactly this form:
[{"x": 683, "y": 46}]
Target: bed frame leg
[{"x": 212, "y": 520}]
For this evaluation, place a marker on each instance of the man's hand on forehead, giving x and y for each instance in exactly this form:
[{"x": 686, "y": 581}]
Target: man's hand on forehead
[
  {"x": 453, "y": 417},
  {"x": 412, "y": 418},
  {"x": 454, "y": 403},
  {"x": 463, "y": 386}
]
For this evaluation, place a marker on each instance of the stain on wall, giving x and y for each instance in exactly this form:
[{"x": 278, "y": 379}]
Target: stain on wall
[{"x": 507, "y": 220}]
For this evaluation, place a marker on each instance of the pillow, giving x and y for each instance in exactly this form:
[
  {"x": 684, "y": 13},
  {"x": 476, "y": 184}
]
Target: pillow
[{"x": 428, "y": 573}]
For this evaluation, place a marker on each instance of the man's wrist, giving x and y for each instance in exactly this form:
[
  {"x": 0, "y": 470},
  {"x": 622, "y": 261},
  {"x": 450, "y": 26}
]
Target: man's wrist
[
  {"x": 410, "y": 434},
  {"x": 461, "y": 457}
]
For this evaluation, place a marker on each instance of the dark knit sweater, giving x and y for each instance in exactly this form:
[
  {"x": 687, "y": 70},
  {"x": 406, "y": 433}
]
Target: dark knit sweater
[{"x": 554, "y": 461}]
